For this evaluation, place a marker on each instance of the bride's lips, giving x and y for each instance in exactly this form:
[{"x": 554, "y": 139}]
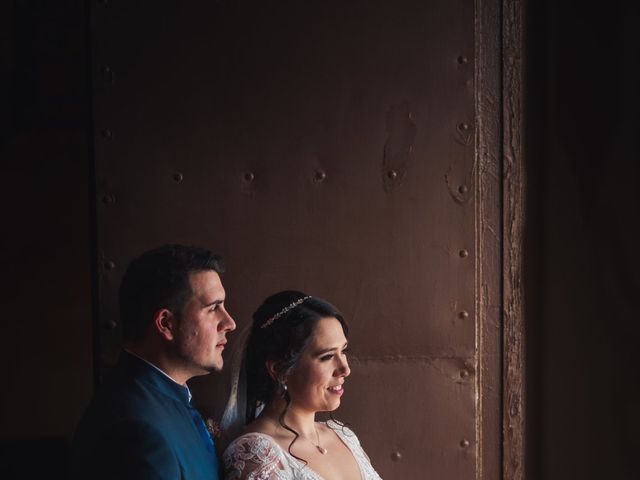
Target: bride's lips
[
  {"x": 221, "y": 344},
  {"x": 336, "y": 389}
]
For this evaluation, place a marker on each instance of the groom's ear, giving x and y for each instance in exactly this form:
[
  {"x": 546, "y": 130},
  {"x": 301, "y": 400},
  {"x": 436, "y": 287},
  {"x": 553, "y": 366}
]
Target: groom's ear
[{"x": 164, "y": 322}]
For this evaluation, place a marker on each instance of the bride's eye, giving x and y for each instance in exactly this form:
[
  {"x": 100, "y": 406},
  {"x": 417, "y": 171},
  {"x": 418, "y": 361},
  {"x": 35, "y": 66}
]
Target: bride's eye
[{"x": 324, "y": 358}]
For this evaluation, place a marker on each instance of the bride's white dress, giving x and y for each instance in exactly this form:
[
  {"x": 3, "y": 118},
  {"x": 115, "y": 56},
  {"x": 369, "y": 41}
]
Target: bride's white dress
[{"x": 256, "y": 456}]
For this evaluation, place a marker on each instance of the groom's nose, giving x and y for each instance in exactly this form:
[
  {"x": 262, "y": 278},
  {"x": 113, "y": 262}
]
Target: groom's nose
[{"x": 228, "y": 323}]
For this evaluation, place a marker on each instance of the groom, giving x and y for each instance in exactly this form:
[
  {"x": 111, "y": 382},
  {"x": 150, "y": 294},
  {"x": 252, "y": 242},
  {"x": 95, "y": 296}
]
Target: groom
[{"x": 141, "y": 424}]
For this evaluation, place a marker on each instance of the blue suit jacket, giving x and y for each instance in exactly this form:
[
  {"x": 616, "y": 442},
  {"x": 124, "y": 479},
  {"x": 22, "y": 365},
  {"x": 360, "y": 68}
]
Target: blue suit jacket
[{"x": 138, "y": 426}]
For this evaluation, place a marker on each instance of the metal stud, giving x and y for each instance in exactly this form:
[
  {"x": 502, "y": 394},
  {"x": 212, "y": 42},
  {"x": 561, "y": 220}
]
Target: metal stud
[
  {"x": 109, "y": 265},
  {"x": 462, "y": 60},
  {"x": 396, "y": 456},
  {"x": 178, "y": 177},
  {"x": 463, "y": 253},
  {"x": 249, "y": 177},
  {"x": 319, "y": 176},
  {"x": 464, "y": 373},
  {"x": 106, "y": 133},
  {"x": 463, "y": 126},
  {"x": 464, "y": 443},
  {"x": 111, "y": 324},
  {"x": 107, "y": 73},
  {"x": 392, "y": 174},
  {"x": 463, "y": 315},
  {"x": 463, "y": 189}
]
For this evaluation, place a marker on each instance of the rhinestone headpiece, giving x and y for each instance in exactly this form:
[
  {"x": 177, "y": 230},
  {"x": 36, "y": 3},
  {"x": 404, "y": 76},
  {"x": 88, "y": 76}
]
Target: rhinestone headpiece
[{"x": 283, "y": 311}]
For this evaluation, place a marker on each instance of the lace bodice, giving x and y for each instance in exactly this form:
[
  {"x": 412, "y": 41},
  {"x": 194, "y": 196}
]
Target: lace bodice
[{"x": 256, "y": 456}]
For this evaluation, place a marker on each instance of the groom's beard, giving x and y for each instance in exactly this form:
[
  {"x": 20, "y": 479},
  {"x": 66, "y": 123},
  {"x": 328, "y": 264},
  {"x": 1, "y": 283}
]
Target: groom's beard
[{"x": 197, "y": 355}]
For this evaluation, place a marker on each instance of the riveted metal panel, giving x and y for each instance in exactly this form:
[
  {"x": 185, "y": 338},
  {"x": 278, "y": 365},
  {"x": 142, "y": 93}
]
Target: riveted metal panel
[
  {"x": 329, "y": 147},
  {"x": 421, "y": 445}
]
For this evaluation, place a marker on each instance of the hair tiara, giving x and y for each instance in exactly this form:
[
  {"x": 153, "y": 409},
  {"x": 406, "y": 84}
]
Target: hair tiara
[{"x": 283, "y": 311}]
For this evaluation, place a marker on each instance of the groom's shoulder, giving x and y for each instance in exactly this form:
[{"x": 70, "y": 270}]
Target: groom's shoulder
[
  {"x": 127, "y": 395},
  {"x": 123, "y": 407},
  {"x": 122, "y": 420}
]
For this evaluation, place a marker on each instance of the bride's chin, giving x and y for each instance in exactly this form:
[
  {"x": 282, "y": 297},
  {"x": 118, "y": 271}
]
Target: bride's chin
[{"x": 333, "y": 406}]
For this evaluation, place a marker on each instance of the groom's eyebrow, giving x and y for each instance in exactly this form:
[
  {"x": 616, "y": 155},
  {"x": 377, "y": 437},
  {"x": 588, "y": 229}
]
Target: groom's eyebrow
[{"x": 215, "y": 302}]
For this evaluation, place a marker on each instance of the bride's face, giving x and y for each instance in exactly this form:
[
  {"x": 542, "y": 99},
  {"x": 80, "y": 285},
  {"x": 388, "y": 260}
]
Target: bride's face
[{"x": 317, "y": 381}]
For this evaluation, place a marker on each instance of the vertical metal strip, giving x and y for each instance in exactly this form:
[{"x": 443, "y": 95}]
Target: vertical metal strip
[
  {"x": 513, "y": 223},
  {"x": 93, "y": 209},
  {"x": 488, "y": 233}
]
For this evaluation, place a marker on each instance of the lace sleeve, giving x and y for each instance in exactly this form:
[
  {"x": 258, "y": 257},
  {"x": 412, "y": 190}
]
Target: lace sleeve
[{"x": 254, "y": 457}]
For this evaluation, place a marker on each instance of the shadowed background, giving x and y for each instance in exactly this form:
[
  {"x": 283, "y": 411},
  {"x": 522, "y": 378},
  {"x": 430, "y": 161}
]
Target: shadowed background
[{"x": 581, "y": 243}]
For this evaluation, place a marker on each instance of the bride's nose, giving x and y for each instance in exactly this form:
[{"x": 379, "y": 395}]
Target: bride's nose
[{"x": 343, "y": 369}]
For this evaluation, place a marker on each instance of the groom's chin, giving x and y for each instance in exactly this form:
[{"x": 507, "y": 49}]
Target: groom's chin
[
  {"x": 216, "y": 366},
  {"x": 206, "y": 369}
]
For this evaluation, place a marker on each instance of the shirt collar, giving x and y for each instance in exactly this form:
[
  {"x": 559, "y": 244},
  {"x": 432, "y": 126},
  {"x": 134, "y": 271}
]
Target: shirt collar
[{"x": 161, "y": 371}]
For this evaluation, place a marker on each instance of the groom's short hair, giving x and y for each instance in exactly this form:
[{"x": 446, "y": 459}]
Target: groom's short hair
[{"x": 159, "y": 279}]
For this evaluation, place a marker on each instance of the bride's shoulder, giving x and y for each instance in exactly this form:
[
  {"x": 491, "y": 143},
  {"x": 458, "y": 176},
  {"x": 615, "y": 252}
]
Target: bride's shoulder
[
  {"x": 255, "y": 442},
  {"x": 253, "y": 455}
]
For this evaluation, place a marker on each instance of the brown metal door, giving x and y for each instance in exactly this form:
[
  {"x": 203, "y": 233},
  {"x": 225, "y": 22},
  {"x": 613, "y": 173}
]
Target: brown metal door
[{"x": 344, "y": 148}]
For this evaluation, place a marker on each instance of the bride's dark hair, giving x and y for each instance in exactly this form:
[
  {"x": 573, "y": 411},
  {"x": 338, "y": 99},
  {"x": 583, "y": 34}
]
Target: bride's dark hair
[{"x": 282, "y": 341}]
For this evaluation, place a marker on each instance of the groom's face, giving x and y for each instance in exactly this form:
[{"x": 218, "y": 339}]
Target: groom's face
[{"x": 203, "y": 325}]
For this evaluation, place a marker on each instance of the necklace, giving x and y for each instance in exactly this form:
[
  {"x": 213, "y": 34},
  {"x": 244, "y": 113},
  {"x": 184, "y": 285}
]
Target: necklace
[{"x": 321, "y": 449}]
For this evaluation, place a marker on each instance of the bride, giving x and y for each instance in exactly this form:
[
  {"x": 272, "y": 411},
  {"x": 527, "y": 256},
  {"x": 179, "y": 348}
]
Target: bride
[{"x": 296, "y": 365}]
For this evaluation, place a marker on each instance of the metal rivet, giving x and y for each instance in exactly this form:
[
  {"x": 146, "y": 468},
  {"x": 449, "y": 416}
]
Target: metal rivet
[
  {"x": 462, "y": 59},
  {"x": 392, "y": 174},
  {"x": 178, "y": 177},
  {"x": 463, "y": 126},
  {"x": 463, "y": 314},
  {"x": 107, "y": 73},
  {"x": 249, "y": 176},
  {"x": 463, "y": 189},
  {"x": 464, "y": 443},
  {"x": 108, "y": 199},
  {"x": 109, "y": 265},
  {"x": 106, "y": 133},
  {"x": 111, "y": 325},
  {"x": 463, "y": 253},
  {"x": 320, "y": 175},
  {"x": 396, "y": 456},
  {"x": 464, "y": 373}
]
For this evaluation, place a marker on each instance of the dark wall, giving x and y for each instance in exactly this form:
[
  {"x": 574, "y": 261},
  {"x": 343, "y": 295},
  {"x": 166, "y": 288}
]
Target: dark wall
[
  {"x": 582, "y": 242},
  {"x": 46, "y": 306}
]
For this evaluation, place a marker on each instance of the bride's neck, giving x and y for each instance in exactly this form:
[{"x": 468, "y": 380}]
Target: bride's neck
[{"x": 302, "y": 421}]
